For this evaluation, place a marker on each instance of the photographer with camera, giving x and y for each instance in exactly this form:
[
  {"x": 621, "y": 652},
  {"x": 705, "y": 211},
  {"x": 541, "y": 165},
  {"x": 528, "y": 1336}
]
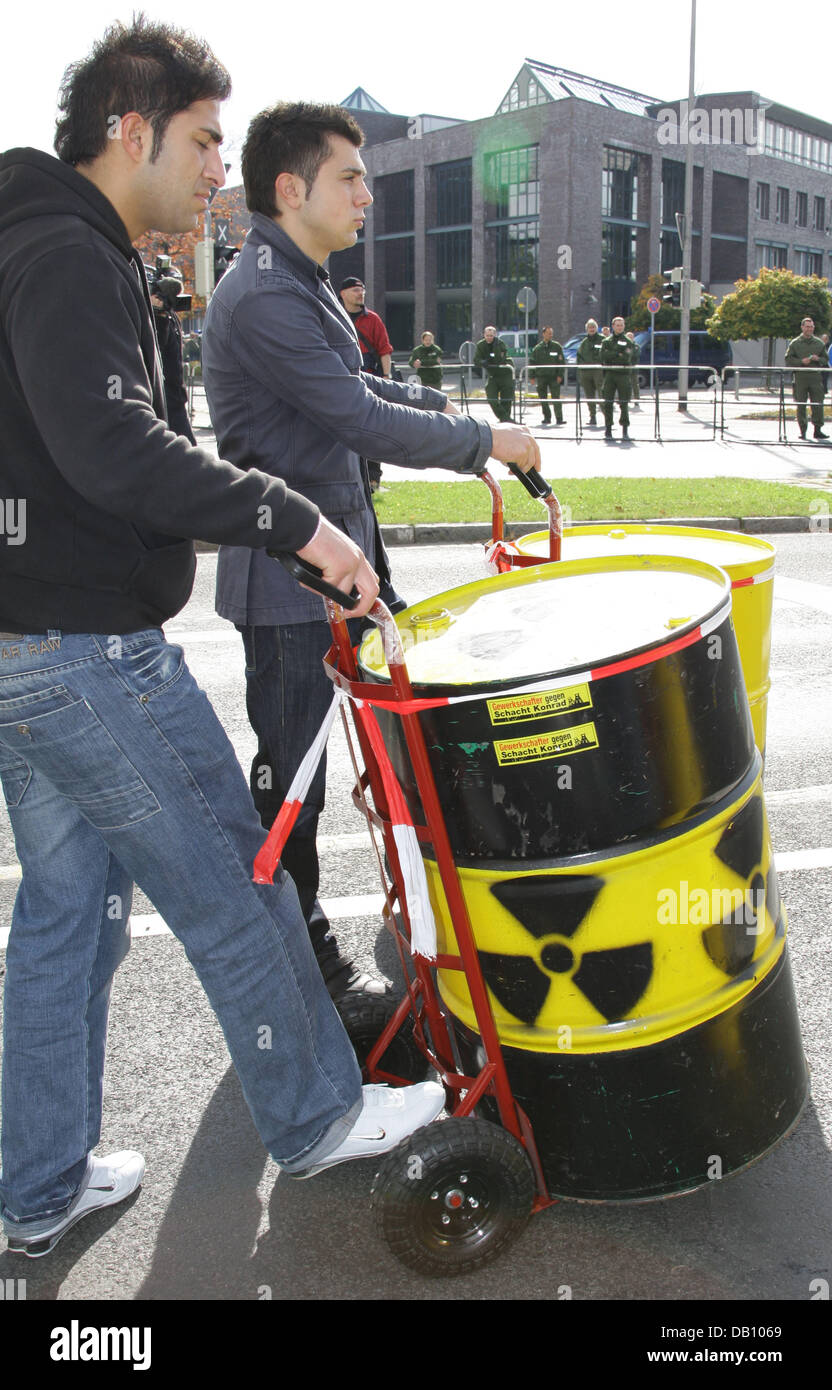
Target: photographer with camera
[{"x": 166, "y": 298}]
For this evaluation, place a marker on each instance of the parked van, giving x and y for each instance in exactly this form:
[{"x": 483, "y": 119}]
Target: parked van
[
  {"x": 707, "y": 356},
  {"x": 520, "y": 344}
]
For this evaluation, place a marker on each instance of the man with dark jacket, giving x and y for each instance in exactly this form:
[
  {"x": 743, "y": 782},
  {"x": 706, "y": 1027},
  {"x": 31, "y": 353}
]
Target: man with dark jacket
[
  {"x": 114, "y": 767},
  {"x": 617, "y": 361},
  {"x": 286, "y": 391},
  {"x": 375, "y": 345},
  {"x": 164, "y": 295},
  {"x": 547, "y": 356}
]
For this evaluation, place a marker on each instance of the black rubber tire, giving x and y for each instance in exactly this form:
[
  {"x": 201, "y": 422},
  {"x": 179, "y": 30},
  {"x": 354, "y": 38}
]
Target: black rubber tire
[
  {"x": 472, "y": 1172},
  {"x": 365, "y": 1017}
]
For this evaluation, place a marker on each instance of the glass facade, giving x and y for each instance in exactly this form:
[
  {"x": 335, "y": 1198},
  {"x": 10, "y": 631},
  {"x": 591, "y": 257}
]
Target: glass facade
[
  {"x": 453, "y": 325},
  {"x": 453, "y": 259},
  {"x": 619, "y": 229},
  {"x": 393, "y": 196},
  {"x": 619, "y": 184},
  {"x": 786, "y": 142},
  {"x": 512, "y": 183},
  {"x": 452, "y": 188}
]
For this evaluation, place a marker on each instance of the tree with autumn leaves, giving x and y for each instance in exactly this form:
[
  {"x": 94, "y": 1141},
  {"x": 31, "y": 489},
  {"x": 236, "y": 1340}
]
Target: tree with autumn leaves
[
  {"x": 181, "y": 246},
  {"x": 772, "y": 305}
]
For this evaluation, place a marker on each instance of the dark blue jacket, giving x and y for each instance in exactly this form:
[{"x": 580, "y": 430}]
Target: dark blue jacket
[{"x": 282, "y": 370}]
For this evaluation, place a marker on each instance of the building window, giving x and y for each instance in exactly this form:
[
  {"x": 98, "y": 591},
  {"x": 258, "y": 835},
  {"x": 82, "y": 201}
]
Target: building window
[
  {"x": 517, "y": 253},
  {"x": 764, "y": 201},
  {"x": 453, "y": 259},
  {"x": 820, "y": 215},
  {"x": 782, "y": 214},
  {"x": 452, "y": 185},
  {"x": 673, "y": 191},
  {"x": 395, "y": 209},
  {"x": 399, "y": 263},
  {"x": 808, "y": 262},
  {"x": 772, "y": 256},
  {"x": 512, "y": 186},
  {"x": 801, "y": 209},
  {"x": 619, "y": 184},
  {"x": 784, "y": 142},
  {"x": 618, "y": 253}
]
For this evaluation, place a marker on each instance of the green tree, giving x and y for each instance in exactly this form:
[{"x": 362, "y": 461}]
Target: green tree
[
  {"x": 667, "y": 317},
  {"x": 771, "y": 306}
]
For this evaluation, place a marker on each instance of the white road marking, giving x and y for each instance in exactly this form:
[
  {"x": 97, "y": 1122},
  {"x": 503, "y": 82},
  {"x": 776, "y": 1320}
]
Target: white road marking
[
  {"x": 808, "y": 595},
  {"x": 370, "y": 904}
]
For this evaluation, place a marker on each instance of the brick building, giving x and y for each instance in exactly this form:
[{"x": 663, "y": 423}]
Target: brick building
[{"x": 572, "y": 187}]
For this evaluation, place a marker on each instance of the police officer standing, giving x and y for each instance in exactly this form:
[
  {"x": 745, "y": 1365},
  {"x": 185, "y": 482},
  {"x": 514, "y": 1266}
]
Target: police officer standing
[
  {"x": 617, "y": 361},
  {"x": 808, "y": 351},
  {"x": 491, "y": 354},
  {"x": 546, "y": 357},
  {"x": 427, "y": 359},
  {"x": 588, "y": 358}
]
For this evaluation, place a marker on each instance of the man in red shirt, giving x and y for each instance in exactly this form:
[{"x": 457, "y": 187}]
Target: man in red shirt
[{"x": 376, "y": 348}]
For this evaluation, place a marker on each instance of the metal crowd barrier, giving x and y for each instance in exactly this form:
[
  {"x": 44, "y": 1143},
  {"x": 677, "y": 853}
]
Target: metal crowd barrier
[
  {"x": 777, "y": 395},
  {"x": 660, "y": 405}
]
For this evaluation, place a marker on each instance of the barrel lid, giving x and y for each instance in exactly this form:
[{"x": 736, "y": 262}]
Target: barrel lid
[
  {"x": 548, "y": 619},
  {"x": 730, "y": 550}
]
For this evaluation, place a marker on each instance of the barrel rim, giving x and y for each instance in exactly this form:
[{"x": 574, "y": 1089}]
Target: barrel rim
[{"x": 547, "y": 572}]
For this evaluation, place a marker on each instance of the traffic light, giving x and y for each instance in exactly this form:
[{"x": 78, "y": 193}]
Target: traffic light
[
  {"x": 672, "y": 292},
  {"x": 696, "y": 288}
]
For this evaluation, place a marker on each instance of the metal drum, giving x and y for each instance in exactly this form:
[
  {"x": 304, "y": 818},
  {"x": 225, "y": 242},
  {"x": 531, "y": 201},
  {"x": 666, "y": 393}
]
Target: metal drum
[
  {"x": 589, "y": 734},
  {"x": 575, "y": 707},
  {"x": 748, "y": 560},
  {"x": 643, "y": 1001}
]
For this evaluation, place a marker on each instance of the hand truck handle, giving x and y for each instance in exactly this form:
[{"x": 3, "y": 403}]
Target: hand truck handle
[
  {"x": 312, "y": 578},
  {"x": 533, "y": 481}
]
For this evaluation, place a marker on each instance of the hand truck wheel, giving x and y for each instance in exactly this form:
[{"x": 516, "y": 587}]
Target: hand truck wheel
[
  {"x": 453, "y": 1196},
  {"x": 365, "y": 1017}
]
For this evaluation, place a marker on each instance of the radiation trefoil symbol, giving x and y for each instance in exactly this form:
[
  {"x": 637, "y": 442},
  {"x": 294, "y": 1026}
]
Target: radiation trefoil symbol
[
  {"x": 551, "y": 908},
  {"x": 731, "y": 942}
]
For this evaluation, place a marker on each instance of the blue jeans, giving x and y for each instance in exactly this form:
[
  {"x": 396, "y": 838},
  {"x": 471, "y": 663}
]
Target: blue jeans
[{"x": 116, "y": 770}]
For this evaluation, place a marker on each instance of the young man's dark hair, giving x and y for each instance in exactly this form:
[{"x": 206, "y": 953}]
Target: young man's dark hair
[
  {"x": 290, "y": 138},
  {"x": 150, "y": 68}
]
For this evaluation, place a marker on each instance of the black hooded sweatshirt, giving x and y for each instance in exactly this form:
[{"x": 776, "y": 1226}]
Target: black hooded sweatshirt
[{"x": 96, "y": 492}]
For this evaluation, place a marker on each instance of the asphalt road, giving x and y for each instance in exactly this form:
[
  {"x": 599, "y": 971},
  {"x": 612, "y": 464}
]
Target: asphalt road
[{"x": 215, "y": 1221}]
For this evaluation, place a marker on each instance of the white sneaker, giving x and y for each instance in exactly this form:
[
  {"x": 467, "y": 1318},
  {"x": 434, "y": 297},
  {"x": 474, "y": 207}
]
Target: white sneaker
[
  {"x": 108, "y": 1180},
  {"x": 388, "y": 1117}
]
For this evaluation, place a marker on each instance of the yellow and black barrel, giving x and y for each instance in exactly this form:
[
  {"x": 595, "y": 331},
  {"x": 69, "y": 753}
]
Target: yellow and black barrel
[
  {"x": 628, "y": 923},
  {"x": 748, "y": 561}
]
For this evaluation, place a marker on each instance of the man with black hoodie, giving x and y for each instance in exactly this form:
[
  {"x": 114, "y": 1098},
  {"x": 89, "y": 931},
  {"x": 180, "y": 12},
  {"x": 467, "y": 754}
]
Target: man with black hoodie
[{"x": 114, "y": 766}]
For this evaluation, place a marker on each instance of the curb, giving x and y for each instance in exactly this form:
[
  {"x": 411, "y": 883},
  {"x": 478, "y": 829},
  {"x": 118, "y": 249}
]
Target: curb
[
  {"x": 468, "y": 532},
  {"x": 461, "y": 532}
]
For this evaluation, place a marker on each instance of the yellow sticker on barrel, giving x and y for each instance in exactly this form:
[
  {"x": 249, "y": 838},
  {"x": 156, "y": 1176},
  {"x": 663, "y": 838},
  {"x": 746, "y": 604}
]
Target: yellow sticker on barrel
[
  {"x": 538, "y": 747},
  {"x": 540, "y": 704}
]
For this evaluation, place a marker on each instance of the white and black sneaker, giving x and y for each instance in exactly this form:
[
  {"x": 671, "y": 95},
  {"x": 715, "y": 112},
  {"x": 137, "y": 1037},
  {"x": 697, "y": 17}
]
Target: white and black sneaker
[
  {"x": 108, "y": 1180},
  {"x": 388, "y": 1116}
]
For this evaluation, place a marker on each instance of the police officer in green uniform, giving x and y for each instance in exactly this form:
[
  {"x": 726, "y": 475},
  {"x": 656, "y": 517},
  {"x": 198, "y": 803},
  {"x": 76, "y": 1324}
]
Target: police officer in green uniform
[
  {"x": 589, "y": 374},
  {"x": 491, "y": 354},
  {"x": 427, "y": 359},
  {"x": 617, "y": 361},
  {"x": 808, "y": 351},
  {"x": 546, "y": 356}
]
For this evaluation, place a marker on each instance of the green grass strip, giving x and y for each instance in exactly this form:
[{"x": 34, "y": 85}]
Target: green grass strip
[{"x": 596, "y": 499}]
